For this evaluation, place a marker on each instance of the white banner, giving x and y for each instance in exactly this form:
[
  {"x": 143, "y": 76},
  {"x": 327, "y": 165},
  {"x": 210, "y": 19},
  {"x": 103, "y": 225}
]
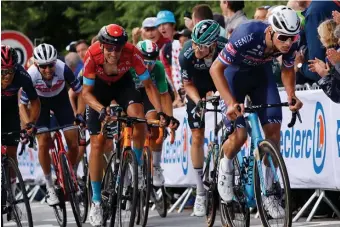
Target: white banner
[{"x": 311, "y": 150}]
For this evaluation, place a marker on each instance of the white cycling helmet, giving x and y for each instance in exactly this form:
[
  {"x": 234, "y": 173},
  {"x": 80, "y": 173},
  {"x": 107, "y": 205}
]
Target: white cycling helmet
[
  {"x": 44, "y": 54},
  {"x": 284, "y": 20}
]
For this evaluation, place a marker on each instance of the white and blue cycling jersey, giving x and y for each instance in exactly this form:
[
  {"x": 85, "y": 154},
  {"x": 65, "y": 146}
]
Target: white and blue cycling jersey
[
  {"x": 246, "y": 47},
  {"x": 50, "y": 89}
]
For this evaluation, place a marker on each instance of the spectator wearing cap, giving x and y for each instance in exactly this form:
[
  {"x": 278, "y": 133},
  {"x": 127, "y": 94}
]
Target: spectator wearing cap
[
  {"x": 315, "y": 13},
  {"x": 233, "y": 13},
  {"x": 182, "y": 36},
  {"x": 261, "y": 13},
  {"x": 81, "y": 48},
  {"x": 169, "y": 54}
]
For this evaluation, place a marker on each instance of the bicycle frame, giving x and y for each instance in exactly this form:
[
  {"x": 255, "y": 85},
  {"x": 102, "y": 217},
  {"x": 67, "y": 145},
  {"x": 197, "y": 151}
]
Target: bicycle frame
[{"x": 56, "y": 154}]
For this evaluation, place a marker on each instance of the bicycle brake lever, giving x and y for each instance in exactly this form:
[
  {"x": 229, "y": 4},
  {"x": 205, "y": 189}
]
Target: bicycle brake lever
[{"x": 299, "y": 116}]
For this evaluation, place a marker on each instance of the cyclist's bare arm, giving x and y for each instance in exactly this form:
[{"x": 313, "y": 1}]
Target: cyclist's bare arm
[
  {"x": 166, "y": 104},
  {"x": 191, "y": 91},
  {"x": 88, "y": 96},
  {"x": 80, "y": 105},
  {"x": 73, "y": 100},
  {"x": 32, "y": 114},
  {"x": 288, "y": 79},
  {"x": 221, "y": 83},
  {"x": 153, "y": 94}
]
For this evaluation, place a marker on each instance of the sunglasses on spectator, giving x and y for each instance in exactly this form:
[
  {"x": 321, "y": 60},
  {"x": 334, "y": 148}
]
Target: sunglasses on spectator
[
  {"x": 112, "y": 48},
  {"x": 264, "y": 7},
  {"x": 202, "y": 46},
  {"x": 5, "y": 72},
  {"x": 149, "y": 62},
  {"x": 284, "y": 38},
  {"x": 51, "y": 65}
]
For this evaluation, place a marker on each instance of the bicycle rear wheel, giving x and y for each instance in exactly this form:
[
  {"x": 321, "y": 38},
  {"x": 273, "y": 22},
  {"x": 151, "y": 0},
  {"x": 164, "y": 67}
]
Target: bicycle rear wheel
[
  {"x": 19, "y": 207},
  {"x": 236, "y": 214},
  {"x": 209, "y": 182},
  {"x": 71, "y": 189},
  {"x": 127, "y": 190},
  {"x": 272, "y": 191},
  {"x": 160, "y": 200},
  {"x": 144, "y": 193}
]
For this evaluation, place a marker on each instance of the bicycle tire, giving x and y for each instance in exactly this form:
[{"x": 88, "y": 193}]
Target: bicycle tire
[
  {"x": 85, "y": 190},
  {"x": 108, "y": 191},
  {"x": 227, "y": 210},
  {"x": 211, "y": 193},
  {"x": 61, "y": 217},
  {"x": 11, "y": 163},
  {"x": 144, "y": 199},
  {"x": 70, "y": 189},
  {"x": 128, "y": 158},
  {"x": 264, "y": 147}
]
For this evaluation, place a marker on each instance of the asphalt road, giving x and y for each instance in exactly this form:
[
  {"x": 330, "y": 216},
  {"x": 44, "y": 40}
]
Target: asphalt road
[{"x": 43, "y": 216}]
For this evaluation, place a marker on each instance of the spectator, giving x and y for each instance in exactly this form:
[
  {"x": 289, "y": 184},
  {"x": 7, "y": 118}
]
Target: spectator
[
  {"x": 188, "y": 21},
  {"x": 73, "y": 61},
  {"x": 233, "y": 13},
  {"x": 204, "y": 12},
  {"x": 183, "y": 36},
  {"x": 71, "y": 47},
  {"x": 30, "y": 62},
  {"x": 81, "y": 48},
  {"x": 261, "y": 13},
  {"x": 316, "y": 12},
  {"x": 166, "y": 24},
  {"x": 94, "y": 39},
  {"x": 329, "y": 71}
]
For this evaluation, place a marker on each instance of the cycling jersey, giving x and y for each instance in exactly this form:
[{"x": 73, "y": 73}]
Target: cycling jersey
[
  {"x": 197, "y": 71},
  {"x": 157, "y": 76},
  {"x": 130, "y": 58},
  {"x": 50, "y": 89},
  {"x": 246, "y": 47}
]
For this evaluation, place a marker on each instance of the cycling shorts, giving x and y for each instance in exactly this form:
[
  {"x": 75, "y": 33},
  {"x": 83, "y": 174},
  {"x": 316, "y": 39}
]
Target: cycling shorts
[
  {"x": 10, "y": 122},
  {"x": 123, "y": 92},
  {"x": 148, "y": 107},
  {"x": 259, "y": 84}
]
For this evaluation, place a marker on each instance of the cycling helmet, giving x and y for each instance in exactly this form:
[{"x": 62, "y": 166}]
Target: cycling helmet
[
  {"x": 9, "y": 57},
  {"x": 284, "y": 20},
  {"x": 205, "y": 32},
  {"x": 113, "y": 34},
  {"x": 44, "y": 54},
  {"x": 148, "y": 49}
]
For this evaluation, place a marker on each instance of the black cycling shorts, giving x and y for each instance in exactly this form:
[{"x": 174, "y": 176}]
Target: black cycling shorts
[
  {"x": 123, "y": 92},
  {"x": 10, "y": 122},
  {"x": 148, "y": 107}
]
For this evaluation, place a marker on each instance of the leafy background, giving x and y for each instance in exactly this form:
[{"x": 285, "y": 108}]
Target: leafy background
[{"x": 61, "y": 22}]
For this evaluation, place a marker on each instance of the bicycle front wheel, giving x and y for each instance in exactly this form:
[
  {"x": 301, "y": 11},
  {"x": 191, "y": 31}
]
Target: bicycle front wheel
[
  {"x": 18, "y": 208},
  {"x": 71, "y": 189},
  {"x": 127, "y": 190},
  {"x": 272, "y": 187}
]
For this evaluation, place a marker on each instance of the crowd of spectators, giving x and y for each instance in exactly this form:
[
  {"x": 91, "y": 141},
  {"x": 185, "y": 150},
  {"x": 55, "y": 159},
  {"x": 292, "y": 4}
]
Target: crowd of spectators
[{"x": 317, "y": 61}]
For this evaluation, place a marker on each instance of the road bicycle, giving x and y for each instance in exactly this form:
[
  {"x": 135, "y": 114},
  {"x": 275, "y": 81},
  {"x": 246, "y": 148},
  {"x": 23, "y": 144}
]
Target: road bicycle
[{"x": 14, "y": 204}]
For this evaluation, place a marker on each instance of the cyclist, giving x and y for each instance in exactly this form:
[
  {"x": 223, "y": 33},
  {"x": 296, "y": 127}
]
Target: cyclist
[
  {"x": 107, "y": 77},
  {"x": 49, "y": 75},
  {"x": 195, "y": 60},
  {"x": 244, "y": 68},
  {"x": 14, "y": 77},
  {"x": 156, "y": 69}
]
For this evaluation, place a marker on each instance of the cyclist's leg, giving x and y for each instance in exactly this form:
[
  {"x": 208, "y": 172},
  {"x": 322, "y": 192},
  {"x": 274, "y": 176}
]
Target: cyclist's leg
[
  {"x": 238, "y": 85},
  {"x": 64, "y": 114},
  {"x": 197, "y": 156},
  {"x": 150, "y": 113}
]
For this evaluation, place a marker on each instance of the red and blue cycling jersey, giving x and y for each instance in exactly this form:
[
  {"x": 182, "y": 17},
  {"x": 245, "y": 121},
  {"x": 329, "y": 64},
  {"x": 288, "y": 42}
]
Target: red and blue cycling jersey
[{"x": 246, "y": 47}]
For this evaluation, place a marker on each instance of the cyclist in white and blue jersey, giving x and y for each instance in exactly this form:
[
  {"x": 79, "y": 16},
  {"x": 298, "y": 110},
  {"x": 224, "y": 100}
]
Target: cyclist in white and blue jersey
[{"x": 244, "y": 67}]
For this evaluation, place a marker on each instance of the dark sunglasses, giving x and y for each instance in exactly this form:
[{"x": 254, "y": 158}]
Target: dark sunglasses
[
  {"x": 284, "y": 38},
  {"x": 51, "y": 65},
  {"x": 5, "y": 72},
  {"x": 113, "y": 48}
]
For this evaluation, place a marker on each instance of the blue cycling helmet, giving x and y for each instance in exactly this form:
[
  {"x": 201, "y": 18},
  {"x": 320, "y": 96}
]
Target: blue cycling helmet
[{"x": 165, "y": 16}]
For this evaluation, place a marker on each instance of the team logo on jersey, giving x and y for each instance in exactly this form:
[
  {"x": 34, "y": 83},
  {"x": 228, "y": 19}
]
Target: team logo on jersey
[{"x": 244, "y": 40}]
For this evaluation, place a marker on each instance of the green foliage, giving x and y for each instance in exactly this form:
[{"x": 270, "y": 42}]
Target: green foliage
[{"x": 61, "y": 22}]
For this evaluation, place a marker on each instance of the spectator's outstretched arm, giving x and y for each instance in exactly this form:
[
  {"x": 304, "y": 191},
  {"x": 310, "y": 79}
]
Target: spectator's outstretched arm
[{"x": 314, "y": 46}]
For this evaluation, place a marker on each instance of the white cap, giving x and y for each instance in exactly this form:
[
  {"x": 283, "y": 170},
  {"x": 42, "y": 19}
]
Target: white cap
[{"x": 149, "y": 22}]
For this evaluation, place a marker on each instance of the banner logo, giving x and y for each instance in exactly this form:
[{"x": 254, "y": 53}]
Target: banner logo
[
  {"x": 185, "y": 147},
  {"x": 319, "y": 139}
]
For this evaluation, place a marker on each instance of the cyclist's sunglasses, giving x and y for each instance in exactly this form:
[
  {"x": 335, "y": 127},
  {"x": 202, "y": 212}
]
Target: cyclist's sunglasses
[
  {"x": 284, "y": 38},
  {"x": 202, "y": 46},
  {"x": 51, "y": 65},
  {"x": 112, "y": 48},
  {"x": 5, "y": 72},
  {"x": 149, "y": 62}
]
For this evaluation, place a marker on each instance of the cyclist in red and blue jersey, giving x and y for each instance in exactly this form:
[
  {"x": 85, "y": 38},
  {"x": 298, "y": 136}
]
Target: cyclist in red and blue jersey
[{"x": 244, "y": 68}]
